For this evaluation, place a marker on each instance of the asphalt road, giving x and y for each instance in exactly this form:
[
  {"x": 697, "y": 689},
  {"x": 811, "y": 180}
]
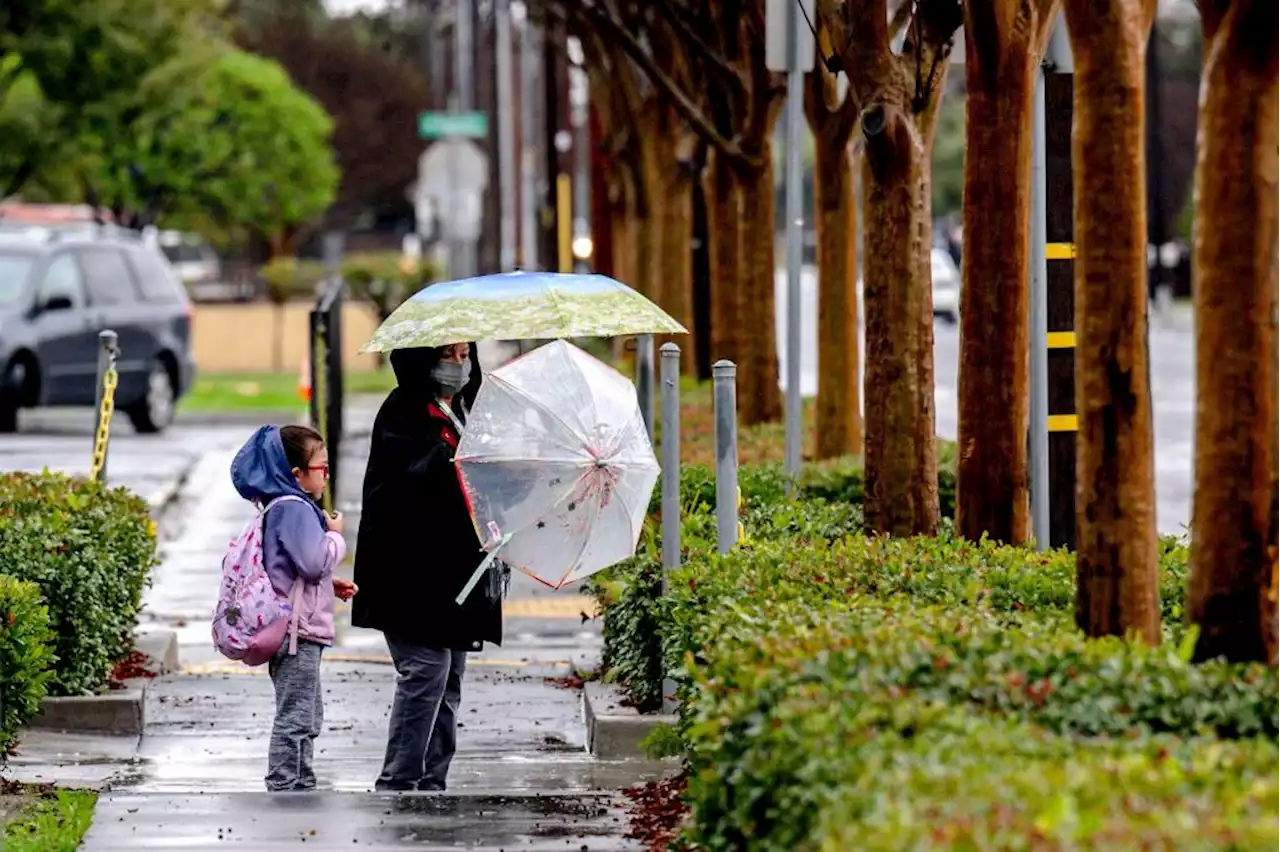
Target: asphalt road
[{"x": 149, "y": 464}]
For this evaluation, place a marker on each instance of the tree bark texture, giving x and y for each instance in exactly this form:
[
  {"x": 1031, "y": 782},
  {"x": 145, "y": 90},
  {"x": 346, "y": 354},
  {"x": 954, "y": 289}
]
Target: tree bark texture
[
  {"x": 832, "y": 119},
  {"x": 675, "y": 254},
  {"x": 901, "y": 457},
  {"x": 1117, "y": 566},
  {"x": 724, "y": 199},
  {"x": 839, "y": 420},
  {"x": 1003, "y": 42},
  {"x": 1233, "y": 528},
  {"x": 759, "y": 397}
]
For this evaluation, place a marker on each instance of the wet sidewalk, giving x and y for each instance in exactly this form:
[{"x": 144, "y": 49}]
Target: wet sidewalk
[{"x": 522, "y": 778}]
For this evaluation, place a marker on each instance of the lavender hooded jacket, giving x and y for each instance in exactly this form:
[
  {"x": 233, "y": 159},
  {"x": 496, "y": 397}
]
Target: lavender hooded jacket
[{"x": 296, "y": 541}]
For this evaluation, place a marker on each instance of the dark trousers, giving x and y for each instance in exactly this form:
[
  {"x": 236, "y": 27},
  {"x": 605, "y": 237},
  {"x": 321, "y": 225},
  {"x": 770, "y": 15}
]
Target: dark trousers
[
  {"x": 422, "y": 735},
  {"x": 299, "y": 717}
]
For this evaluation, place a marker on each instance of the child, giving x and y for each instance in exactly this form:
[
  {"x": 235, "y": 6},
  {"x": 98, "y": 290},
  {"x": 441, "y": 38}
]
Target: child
[{"x": 299, "y": 542}]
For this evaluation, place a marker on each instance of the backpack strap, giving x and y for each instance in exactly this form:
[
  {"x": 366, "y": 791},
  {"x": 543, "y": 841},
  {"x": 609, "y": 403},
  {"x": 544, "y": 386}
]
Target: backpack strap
[
  {"x": 295, "y": 604},
  {"x": 295, "y": 594}
]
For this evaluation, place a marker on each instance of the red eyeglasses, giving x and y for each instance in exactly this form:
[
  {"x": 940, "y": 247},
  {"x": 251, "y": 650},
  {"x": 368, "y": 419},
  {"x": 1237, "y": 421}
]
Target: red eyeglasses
[{"x": 324, "y": 467}]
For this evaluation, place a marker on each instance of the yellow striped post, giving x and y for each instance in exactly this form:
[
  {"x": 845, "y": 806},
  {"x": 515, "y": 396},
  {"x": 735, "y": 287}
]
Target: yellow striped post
[{"x": 1060, "y": 341}]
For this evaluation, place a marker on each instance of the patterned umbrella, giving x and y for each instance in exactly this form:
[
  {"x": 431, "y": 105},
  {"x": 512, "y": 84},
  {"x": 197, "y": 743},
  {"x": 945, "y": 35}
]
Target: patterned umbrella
[
  {"x": 520, "y": 306},
  {"x": 556, "y": 466}
]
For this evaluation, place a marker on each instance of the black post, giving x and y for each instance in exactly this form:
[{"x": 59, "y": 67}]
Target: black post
[
  {"x": 1060, "y": 253},
  {"x": 559, "y": 145},
  {"x": 1156, "y": 219}
]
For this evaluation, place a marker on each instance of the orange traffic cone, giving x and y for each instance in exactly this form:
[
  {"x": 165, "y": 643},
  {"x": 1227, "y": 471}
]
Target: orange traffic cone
[{"x": 304, "y": 380}]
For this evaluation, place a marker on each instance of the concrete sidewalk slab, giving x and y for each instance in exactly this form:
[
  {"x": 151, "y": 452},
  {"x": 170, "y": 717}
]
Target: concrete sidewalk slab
[{"x": 127, "y": 822}]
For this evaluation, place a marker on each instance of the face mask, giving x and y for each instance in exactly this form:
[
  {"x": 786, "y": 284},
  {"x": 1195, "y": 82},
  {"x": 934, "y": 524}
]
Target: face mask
[{"x": 451, "y": 375}]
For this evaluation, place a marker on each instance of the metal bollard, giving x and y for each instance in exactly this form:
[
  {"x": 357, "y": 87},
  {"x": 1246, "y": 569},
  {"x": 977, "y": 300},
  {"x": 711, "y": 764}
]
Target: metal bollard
[
  {"x": 670, "y": 456},
  {"x": 644, "y": 380},
  {"x": 725, "y": 377},
  {"x": 104, "y": 402},
  {"x": 670, "y": 355}
]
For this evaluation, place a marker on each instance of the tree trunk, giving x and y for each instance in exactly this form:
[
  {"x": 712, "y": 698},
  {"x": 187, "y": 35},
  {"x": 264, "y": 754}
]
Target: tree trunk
[
  {"x": 991, "y": 486},
  {"x": 1116, "y": 563},
  {"x": 759, "y": 397},
  {"x": 724, "y": 199},
  {"x": 839, "y": 424},
  {"x": 675, "y": 253},
  {"x": 1233, "y": 527},
  {"x": 901, "y": 455}
]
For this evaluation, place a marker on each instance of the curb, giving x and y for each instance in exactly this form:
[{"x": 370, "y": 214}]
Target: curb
[
  {"x": 160, "y": 647},
  {"x": 121, "y": 711},
  {"x": 614, "y": 730}
]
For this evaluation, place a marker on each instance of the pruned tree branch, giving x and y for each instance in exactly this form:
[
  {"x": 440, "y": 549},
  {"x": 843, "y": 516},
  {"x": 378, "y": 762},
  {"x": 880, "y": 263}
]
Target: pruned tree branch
[
  {"x": 729, "y": 74},
  {"x": 605, "y": 21},
  {"x": 929, "y": 39}
]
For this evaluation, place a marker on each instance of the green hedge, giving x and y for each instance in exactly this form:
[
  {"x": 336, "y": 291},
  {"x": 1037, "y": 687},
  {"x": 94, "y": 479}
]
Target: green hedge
[
  {"x": 26, "y": 657},
  {"x": 90, "y": 550},
  {"x": 968, "y": 727},
  {"x": 845, "y": 692}
]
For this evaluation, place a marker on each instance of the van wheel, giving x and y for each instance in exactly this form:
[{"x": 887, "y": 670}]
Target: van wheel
[
  {"x": 154, "y": 411},
  {"x": 12, "y": 383}
]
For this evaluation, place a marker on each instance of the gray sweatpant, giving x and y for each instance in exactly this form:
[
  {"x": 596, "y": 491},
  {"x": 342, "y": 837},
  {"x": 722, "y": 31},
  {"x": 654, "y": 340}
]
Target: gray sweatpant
[
  {"x": 299, "y": 717},
  {"x": 422, "y": 734}
]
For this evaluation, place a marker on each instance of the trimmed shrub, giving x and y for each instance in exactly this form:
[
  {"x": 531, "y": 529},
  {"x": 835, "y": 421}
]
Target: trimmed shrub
[
  {"x": 26, "y": 657},
  {"x": 805, "y": 726},
  {"x": 90, "y": 550}
]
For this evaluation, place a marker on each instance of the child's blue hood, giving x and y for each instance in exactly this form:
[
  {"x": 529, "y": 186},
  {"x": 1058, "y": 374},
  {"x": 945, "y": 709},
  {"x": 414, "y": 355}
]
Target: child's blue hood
[{"x": 261, "y": 472}]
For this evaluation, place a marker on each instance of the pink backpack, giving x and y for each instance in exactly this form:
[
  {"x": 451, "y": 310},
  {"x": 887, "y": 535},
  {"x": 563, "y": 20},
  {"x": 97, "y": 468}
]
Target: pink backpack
[{"x": 251, "y": 619}]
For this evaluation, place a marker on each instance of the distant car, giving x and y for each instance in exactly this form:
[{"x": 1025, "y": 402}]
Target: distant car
[
  {"x": 58, "y": 289},
  {"x": 946, "y": 286},
  {"x": 191, "y": 256}
]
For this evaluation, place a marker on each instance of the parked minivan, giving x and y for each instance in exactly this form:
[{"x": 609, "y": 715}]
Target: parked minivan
[{"x": 60, "y": 287}]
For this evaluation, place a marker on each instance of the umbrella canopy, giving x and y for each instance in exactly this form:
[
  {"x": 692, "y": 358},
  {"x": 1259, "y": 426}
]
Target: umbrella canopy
[
  {"x": 520, "y": 306},
  {"x": 557, "y": 465}
]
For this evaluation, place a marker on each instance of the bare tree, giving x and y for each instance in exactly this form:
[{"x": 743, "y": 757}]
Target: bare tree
[
  {"x": 1004, "y": 40},
  {"x": 1233, "y": 532},
  {"x": 897, "y": 94},
  {"x": 1117, "y": 564}
]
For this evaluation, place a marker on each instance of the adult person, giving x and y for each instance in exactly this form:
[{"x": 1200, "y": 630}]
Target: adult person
[{"x": 416, "y": 549}]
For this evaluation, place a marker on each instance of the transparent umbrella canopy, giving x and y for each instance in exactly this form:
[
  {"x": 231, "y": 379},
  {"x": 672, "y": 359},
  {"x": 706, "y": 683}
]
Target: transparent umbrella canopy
[{"x": 556, "y": 465}]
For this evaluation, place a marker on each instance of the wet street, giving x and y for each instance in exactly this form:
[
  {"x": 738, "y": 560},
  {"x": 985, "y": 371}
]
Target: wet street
[
  {"x": 522, "y": 778},
  {"x": 1172, "y": 389}
]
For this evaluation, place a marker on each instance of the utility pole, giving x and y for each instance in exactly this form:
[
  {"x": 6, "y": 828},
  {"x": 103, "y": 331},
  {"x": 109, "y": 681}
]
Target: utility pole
[
  {"x": 790, "y": 47},
  {"x": 529, "y": 66},
  {"x": 506, "y": 138},
  {"x": 462, "y": 254}
]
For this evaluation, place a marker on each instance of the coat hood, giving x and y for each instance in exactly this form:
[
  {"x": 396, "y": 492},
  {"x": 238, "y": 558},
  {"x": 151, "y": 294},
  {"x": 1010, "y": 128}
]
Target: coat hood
[
  {"x": 413, "y": 373},
  {"x": 260, "y": 472}
]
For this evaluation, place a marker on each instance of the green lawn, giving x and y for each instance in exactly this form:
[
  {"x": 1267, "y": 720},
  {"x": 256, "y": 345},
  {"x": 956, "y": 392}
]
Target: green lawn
[
  {"x": 41, "y": 819},
  {"x": 268, "y": 392}
]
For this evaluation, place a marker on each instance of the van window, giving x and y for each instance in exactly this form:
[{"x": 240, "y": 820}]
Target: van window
[
  {"x": 107, "y": 276},
  {"x": 14, "y": 269},
  {"x": 156, "y": 279},
  {"x": 62, "y": 278}
]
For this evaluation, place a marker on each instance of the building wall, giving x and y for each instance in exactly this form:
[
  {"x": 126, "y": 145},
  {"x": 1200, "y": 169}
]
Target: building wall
[{"x": 242, "y": 338}]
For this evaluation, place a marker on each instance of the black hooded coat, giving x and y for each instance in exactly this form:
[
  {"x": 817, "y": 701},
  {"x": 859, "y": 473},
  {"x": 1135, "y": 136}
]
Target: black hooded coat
[{"x": 417, "y": 546}]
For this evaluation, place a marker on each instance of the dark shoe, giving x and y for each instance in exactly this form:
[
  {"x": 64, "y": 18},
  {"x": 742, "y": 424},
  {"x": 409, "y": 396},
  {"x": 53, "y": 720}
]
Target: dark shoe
[{"x": 430, "y": 787}]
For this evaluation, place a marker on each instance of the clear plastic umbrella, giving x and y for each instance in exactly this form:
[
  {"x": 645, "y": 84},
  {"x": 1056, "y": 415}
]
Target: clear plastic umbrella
[{"x": 556, "y": 465}]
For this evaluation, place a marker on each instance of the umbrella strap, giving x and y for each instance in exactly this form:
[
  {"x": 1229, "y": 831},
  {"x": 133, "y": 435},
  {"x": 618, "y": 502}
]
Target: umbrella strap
[{"x": 480, "y": 569}]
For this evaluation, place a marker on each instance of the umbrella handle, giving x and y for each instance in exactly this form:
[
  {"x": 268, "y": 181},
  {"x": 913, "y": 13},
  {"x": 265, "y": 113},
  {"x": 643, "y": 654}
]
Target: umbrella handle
[{"x": 480, "y": 569}]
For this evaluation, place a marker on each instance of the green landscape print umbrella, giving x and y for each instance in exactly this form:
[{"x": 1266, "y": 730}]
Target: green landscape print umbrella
[{"x": 520, "y": 306}]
